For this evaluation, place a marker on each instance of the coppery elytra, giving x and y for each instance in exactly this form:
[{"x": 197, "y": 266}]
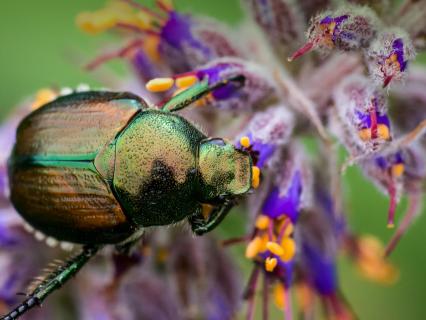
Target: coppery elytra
[{"x": 109, "y": 166}]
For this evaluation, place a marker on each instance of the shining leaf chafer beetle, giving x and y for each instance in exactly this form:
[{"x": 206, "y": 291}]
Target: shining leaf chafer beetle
[{"x": 96, "y": 168}]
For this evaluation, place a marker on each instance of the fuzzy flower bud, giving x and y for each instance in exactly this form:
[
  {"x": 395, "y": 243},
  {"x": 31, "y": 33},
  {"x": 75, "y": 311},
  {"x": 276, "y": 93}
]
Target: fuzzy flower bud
[
  {"x": 280, "y": 21},
  {"x": 347, "y": 29},
  {"x": 267, "y": 132},
  {"x": 388, "y": 56},
  {"x": 362, "y": 123}
]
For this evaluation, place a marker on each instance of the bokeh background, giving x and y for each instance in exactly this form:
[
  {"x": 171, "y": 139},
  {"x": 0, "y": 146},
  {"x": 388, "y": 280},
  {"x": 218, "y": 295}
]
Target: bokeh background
[{"x": 41, "y": 46}]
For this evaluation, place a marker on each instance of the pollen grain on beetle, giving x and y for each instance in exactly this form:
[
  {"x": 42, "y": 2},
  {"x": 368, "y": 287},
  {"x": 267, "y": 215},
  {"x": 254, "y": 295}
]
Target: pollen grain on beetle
[{"x": 341, "y": 75}]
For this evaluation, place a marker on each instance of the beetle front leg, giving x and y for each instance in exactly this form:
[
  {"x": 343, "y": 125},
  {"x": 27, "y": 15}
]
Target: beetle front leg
[
  {"x": 197, "y": 91},
  {"x": 200, "y": 226}
]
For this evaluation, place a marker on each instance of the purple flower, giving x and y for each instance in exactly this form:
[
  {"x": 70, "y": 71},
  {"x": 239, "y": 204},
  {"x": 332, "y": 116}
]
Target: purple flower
[
  {"x": 348, "y": 28},
  {"x": 388, "y": 56},
  {"x": 180, "y": 41},
  {"x": 266, "y": 134},
  {"x": 360, "y": 122}
]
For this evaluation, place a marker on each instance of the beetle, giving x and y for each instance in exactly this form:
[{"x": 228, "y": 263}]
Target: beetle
[{"x": 96, "y": 168}]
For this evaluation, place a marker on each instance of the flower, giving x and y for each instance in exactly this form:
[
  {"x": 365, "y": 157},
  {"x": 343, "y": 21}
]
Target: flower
[
  {"x": 388, "y": 56},
  {"x": 349, "y": 28},
  {"x": 271, "y": 109},
  {"x": 360, "y": 121},
  {"x": 266, "y": 134},
  {"x": 165, "y": 37}
]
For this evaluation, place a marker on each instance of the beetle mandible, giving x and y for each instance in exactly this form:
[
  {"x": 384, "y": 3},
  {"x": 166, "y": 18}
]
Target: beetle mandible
[{"x": 97, "y": 167}]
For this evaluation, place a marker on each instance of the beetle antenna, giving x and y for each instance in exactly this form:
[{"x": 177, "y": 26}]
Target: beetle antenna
[{"x": 53, "y": 281}]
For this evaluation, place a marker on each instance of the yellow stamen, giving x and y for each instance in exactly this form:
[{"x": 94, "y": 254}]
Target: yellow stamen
[
  {"x": 270, "y": 264},
  {"x": 275, "y": 248},
  {"x": 143, "y": 20},
  {"x": 245, "y": 141},
  {"x": 253, "y": 248},
  {"x": 289, "y": 246},
  {"x": 264, "y": 240},
  {"x": 304, "y": 296},
  {"x": 108, "y": 17},
  {"x": 289, "y": 228},
  {"x": 207, "y": 99},
  {"x": 185, "y": 82},
  {"x": 398, "y": 170},
  {"x": 383, "y": 131},
  {"x": 150, "y": 46},
  {"x": 364, "y": 134},
  {"x": 279, "y": 295},
  {"x": 167, "y": 4},
  {"x": 159, "y": 84},
  {"x": 390, "y": 225},
  {"x": 255, "y": 181},
  {"x": 262, "y": 222},
  {"x": 43, "y": 96},
  {"x": 206, "y": 210},
  {"x": 372, "y": 264},
  {"x": 162, "y": 255}
]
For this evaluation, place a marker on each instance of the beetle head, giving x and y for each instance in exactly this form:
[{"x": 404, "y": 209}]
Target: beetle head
[{"x": 225, "y": 171}]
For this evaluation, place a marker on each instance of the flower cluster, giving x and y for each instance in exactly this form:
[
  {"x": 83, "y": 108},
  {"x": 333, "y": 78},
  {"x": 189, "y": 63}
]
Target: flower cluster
[{"x": 296, "y": 224}]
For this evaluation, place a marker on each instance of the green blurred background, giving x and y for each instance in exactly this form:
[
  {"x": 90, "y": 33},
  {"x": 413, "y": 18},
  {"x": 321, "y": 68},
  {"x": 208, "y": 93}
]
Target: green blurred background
[{"x": 41, "y": 47}]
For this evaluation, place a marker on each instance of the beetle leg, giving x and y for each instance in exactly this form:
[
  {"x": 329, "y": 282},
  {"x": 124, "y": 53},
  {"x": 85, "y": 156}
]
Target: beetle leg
[
  {"x": 200, "y": 226},
  {"x": 197, "y": 91},
  {"x": 53, "y": 281}
]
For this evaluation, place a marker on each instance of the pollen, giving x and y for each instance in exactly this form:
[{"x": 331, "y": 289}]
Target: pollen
[
  {"x": 206, "y": 210},
  {"x": 253, "y": 248},
  {"x": 262, "y": 222},
  {"x": 270, "y": 264},
  {"x": 187, "y": 81},
  {"x": 372, "y": 264},
  {"x": 391, "y": 225},
  {"x": 159, "y": 84},
  {"x": 255, "y": 181},
  {"x": 245, "y": 141},
  {"x": 43, "y": 96},
  {"x": 383, "y": 131},
  {"x": 95, "y": 23},
  {"x": 275, "y": 248},
  {"x": 398, "y": 170},
  {"x": 364, "y": 134},
  {"x": 289, "y": 246},
  {"x": 150, "y": 45},
  {"x": 279, "y": 295},
  {"x": 288, "y": 230}
]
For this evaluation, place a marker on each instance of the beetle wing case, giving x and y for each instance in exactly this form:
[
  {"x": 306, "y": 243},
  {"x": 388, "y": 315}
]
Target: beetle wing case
[{"x": 54, "y": 183}]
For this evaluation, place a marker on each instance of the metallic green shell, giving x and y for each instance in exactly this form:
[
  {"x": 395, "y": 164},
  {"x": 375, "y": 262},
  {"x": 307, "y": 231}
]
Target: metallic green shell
[
  {"x": 156, "y": 173},
  {"x": 54, "y": 180}
]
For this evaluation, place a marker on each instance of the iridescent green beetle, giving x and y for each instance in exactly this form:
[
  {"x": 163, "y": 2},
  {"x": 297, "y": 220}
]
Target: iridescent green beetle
[{"x": 96, "y": 168}]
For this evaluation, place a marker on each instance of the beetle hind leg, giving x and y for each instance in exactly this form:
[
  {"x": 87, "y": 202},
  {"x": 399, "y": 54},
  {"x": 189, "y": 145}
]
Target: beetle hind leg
[{"x": 53, "y": 281}]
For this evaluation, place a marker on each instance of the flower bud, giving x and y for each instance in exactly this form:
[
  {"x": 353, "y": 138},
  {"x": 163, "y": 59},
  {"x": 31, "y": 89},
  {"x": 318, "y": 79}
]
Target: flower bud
[{"x": 388, "y": 56}]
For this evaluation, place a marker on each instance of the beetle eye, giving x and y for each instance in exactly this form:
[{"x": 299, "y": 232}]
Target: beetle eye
[{"x": 218, "y": 142}]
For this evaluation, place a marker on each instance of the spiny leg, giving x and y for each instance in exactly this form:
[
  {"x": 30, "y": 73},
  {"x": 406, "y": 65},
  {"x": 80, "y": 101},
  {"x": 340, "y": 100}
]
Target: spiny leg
[
  {"x": 200, "y": 226},
  {"x": 53, "y": 281}
]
